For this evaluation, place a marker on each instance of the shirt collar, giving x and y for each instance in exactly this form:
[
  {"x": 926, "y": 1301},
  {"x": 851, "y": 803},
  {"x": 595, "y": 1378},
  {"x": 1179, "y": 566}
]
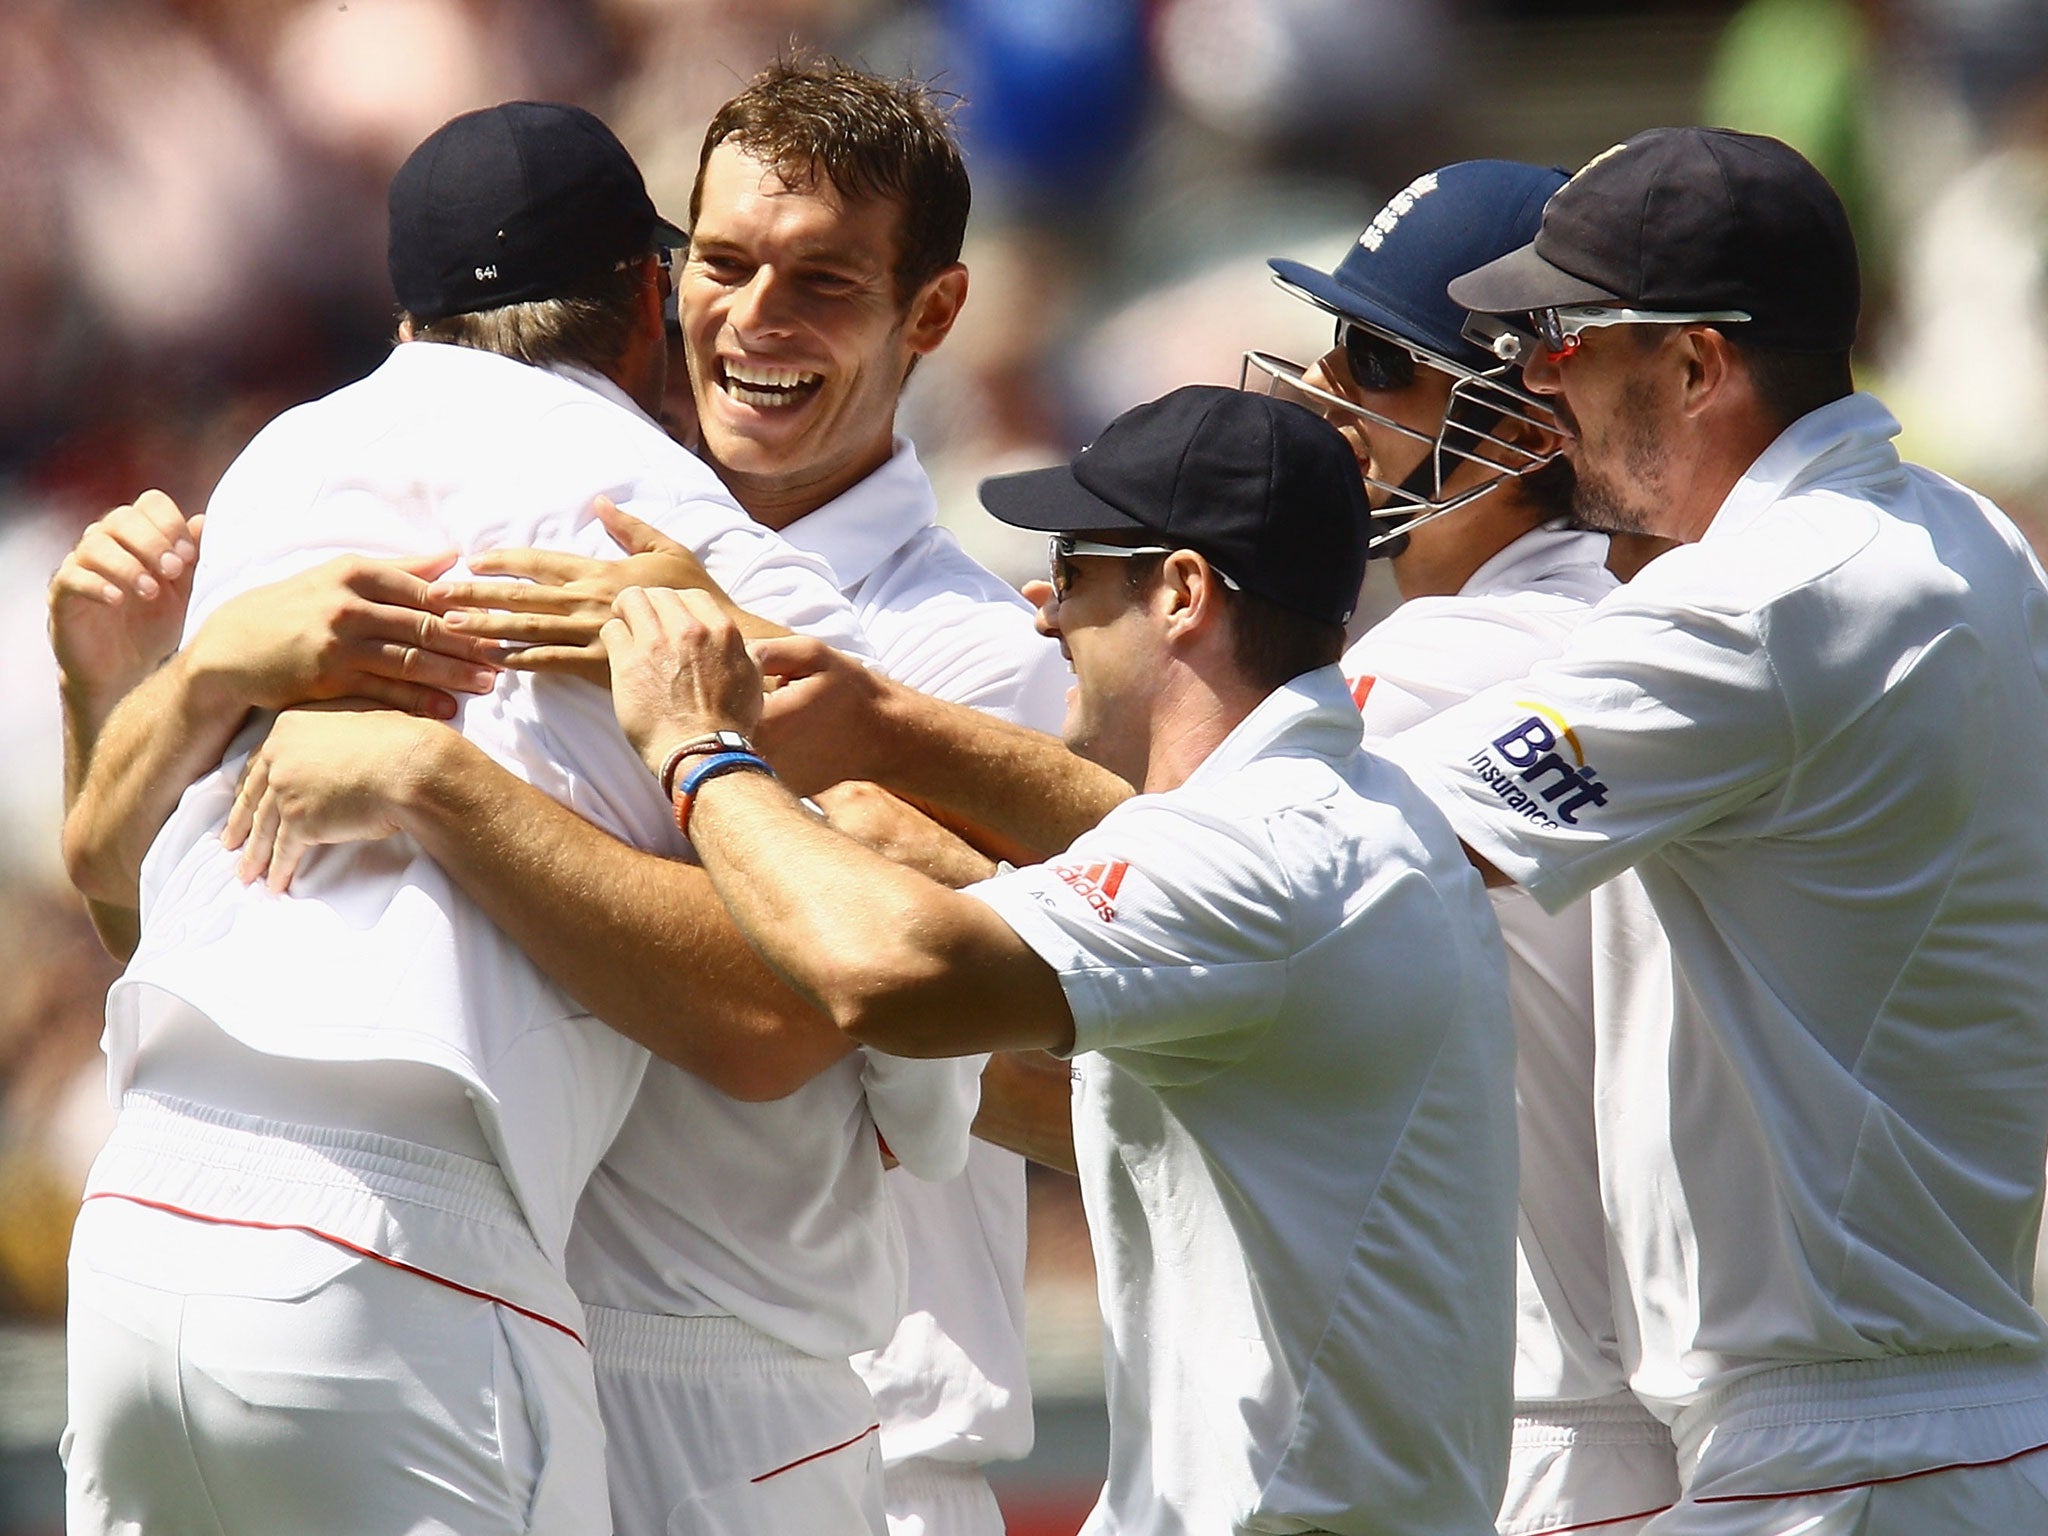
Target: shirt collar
[
  {"x": 1310, "y": 716},
  {"x": 1525, "y": 563},
  {"x": 864, "y": 525},
  {"x": 1845, "y": 440},
  {"x": 597, "y": 383}
]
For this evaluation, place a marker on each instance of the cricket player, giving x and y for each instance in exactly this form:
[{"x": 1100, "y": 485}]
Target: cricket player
[
  {"x": 1471, "y": 502},
  {"x": 319, "y": 1280},
  {"x": 1818, "y": 731}
]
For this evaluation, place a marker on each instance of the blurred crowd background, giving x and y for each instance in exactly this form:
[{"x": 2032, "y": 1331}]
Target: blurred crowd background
[{"x": 192, "y": 233}]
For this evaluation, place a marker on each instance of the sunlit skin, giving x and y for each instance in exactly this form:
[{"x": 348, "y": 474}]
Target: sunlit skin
[
  {"x": 1442, "y": 554},
  {"x": 798, "y": 342},
  {"x": 1660, "y": 425},
  {"x": 1156, "y": 687}
]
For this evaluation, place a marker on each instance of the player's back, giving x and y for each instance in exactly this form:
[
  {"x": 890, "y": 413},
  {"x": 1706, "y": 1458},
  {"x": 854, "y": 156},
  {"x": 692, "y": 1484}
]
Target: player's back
[{"x": 374, "y": 954}]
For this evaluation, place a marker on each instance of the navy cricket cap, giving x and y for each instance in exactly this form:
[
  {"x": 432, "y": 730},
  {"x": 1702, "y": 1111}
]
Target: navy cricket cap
[
  {"x": 1263, "y": 488},
  {"x": 1688, "y": 220},
  {"x": 514, "y": 203},
  {"x": 1440, "y": 226}
]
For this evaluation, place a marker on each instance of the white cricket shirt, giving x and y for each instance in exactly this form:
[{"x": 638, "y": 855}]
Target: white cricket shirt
[
  {"x": 1820, "y": 735},
  {"x": 1519, "y": 608},
  {"x": 374, "y": 954},
  {"x": 811, "y": 1254},
  {"x": 1295, "y": 1125}
]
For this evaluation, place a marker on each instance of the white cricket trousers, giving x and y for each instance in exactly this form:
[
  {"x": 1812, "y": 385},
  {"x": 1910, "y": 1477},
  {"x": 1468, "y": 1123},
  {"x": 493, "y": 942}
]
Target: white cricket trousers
[
  {"x": 1604, "y": 1466},
  {"x": 1915, "y": 1445},
  {"x": 941, "y": 1498},
  {"x": 717, "y": 1429},
  {"x": 231, "y": 1381}
]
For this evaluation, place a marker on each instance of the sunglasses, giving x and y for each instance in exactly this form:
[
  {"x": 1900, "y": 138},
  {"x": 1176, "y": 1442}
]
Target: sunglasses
[
  {"x": 1560, "y": 329},
  {"x": 1062, "y": 546},
  {"x": 1376, "y": 363}
]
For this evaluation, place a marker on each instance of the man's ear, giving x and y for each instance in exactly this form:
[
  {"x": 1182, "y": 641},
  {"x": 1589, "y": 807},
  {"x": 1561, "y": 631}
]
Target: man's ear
[
  {"x": 1711, "y": 369},
  {"x": 934, "y": 309},
  {"x": 1192, "y": 593}
]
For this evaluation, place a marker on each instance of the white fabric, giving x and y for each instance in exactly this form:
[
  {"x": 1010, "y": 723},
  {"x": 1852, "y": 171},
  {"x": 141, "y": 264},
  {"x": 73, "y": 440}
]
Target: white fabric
[
  {"x": 376, "y": 951},
  {"x": 1821, "y": 736},
  {"x": 1605, "y": 1466},
  {"x": 226, "y": 1381},
  {"x": 1295, "y": 1125},
  {"x": 772, "y": 1212},
  {"x": 941, "y": 1498},
  {"x": 1584, "y": 1450},
  {"x": 953, "y": 1384},
  {"x": 718, "y": 1430}
]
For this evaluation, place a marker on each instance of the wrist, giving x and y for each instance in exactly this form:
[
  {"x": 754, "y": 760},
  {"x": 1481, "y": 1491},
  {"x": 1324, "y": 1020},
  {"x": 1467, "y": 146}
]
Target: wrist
[
  {"x": 429, "y": 792},
  {"x": 683, "y": 754}
]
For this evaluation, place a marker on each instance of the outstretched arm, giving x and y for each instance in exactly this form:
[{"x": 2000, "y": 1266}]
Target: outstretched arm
[
  {"x": 834, "y": 719},
  {"x": 641, "y": 941},
  {"x": 896, "y": 960}
]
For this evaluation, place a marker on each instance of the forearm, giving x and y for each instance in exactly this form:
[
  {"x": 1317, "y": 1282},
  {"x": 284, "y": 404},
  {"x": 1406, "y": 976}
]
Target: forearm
[
  {"x": 1027, "y": 1105},
  {"x": 1020, "y": 784},
  {"x": 85, "y": 714},
  {"x": 895, "y": 960},
  {"x": 641, "y": 941},
  {"x": 167, "y": 732}
]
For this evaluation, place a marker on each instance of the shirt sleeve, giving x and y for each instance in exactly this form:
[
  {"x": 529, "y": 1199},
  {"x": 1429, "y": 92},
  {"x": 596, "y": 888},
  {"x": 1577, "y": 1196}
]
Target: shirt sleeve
[
  {"x": 924, "y": 1109},
  {"x": 1432, "y": 653},
  {"x": 1656, "y": 721},
  {"x": 1169, "y": 926}
]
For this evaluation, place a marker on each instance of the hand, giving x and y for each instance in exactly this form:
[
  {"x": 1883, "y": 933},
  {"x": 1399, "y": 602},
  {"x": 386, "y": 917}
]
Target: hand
[
  {"x": 820, "y": 724},
  {"x": 117, "y": 603},
  {"x": 680, "y": 669},
  {"x": 899, "y": 831},
  {"x": 561, "y": 602},
  {"x": 352, "y": 628},
  {"x": 333, "y": 773}
]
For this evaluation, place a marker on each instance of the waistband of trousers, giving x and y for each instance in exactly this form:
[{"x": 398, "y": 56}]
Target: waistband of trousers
[
  {"x": 450, "y": 1218},
  {"x": 658, "y": 1344},
  {"x": 1617, "y": 1420},
  {"x": 1865, "y": 1391}
]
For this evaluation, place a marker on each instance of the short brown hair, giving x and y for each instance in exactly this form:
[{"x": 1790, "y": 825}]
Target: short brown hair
[
  {"x": 590, "y": 323},
  {"x": 812, "y": 117},
  {"x": 1271, "y": 645}
]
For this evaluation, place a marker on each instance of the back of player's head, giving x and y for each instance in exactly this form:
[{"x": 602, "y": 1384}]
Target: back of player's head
[
  {"x": 517, "y": 229},
  {"x": 814, "y": 118},
  {"x": 1440, "y": 226}
]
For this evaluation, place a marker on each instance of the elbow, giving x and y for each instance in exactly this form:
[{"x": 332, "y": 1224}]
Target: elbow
[
  {"x": 92, "y": 866},
  {"x": 879, "y": 999}
]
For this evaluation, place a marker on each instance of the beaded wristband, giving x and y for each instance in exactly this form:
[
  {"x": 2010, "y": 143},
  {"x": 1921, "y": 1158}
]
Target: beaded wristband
[{"x": 711, "y": 768}]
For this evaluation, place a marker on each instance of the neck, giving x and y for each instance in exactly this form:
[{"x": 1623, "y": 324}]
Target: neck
[
  {"x": 776, "y": 501},
  {"x": 1193, "y": 715}
]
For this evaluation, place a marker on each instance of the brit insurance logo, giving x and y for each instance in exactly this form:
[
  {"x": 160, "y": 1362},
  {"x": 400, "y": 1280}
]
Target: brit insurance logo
[
  {"x": 1097, "y": 884},
  {"x": 1541, "y": 772}
]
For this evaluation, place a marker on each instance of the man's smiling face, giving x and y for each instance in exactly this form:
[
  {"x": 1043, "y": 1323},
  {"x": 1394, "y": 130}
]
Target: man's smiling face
[{"x": 798, "y": 342}]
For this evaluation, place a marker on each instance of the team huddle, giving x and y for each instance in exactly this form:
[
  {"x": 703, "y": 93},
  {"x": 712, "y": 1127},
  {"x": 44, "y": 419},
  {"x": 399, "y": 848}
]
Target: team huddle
[{"x": 614, "y": 895}]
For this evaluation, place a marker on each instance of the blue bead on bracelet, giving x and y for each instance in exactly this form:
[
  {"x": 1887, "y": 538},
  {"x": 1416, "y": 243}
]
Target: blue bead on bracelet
[{"x": 711, "y": 768}]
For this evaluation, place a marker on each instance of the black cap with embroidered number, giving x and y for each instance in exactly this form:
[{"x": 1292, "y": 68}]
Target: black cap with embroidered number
[
  {"x": 1264, "y": 489},
  {"x": 515, "y": 203},
  {"x": 1682, "y": 220}
]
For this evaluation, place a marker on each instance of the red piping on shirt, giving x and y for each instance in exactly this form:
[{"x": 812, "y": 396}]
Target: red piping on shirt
[
  {"x": 341, "y": 1242},
  {"x": 1873, "y": 1482},
  {"x": 872, "y": 1429}
]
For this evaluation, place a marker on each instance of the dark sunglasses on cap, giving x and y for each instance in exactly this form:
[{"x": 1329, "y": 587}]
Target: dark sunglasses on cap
[{"x": 1376, "y": 363}]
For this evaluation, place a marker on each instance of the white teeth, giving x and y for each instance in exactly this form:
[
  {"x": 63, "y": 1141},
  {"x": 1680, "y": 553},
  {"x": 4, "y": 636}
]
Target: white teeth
[{"x": 740, "y": 376}]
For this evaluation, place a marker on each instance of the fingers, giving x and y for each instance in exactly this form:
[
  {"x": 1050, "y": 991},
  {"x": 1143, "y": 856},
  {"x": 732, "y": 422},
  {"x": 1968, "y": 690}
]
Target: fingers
[
  {"x": 248, "y": 794},
  {"x": 413, "y": 698},
  {"x": 588, "y": 662},
  {"x": 553, "y": 567},
  {"x": 792, "y": 656},
  {"x": 628, "y": 532},
  {"x": 462, "y": 597},
  {"x": 261, "y": 840},
  {"x": 427, "y": 567}
]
